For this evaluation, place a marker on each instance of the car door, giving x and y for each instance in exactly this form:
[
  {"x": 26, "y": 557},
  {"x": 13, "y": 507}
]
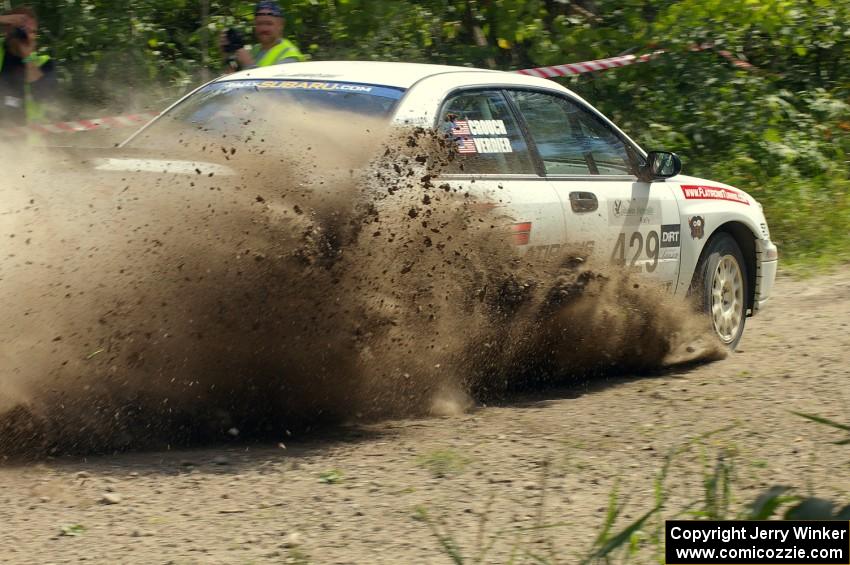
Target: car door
[
  {"x": 493, "y": 162},
  {"x": 607, "y": 209}
]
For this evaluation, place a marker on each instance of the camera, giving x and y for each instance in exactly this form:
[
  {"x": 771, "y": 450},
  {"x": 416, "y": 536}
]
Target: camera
[
  {"x": 20, "y": 34},
  {"x": 234, "y": 42}
]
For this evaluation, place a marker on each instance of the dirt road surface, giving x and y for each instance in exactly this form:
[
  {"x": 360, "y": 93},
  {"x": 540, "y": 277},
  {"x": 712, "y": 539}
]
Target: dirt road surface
[{"x": 486, "y": 477}]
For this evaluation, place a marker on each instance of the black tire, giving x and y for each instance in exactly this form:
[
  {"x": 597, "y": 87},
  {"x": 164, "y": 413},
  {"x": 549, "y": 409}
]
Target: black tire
[{"x": 721, "y": 288}]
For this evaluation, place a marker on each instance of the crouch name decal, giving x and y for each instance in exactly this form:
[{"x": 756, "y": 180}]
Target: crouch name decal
[{"x": 467, "y": 134}]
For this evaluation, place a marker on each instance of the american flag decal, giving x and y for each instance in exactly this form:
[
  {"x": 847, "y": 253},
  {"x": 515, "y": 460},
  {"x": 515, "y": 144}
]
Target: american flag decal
[
  {"x": 461, "y": 127},
  {"x": 466, "y": 146}
]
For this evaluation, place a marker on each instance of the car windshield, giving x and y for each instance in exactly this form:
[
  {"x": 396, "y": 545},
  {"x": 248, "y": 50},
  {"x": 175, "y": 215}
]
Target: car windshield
[{"x": 251, "y": 108}]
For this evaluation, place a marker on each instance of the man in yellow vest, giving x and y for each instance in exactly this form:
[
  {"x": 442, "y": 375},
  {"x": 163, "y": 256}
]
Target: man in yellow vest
[
  {"x": 26, "y": 78},
  {"x": 272, "y": 49}
]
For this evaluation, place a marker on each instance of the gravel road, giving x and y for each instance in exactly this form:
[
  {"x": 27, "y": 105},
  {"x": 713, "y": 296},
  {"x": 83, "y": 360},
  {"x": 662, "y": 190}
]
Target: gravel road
[{"x": 350, "y": 495}]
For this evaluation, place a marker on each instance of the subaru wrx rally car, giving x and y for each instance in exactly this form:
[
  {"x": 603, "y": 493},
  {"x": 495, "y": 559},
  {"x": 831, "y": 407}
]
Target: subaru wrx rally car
[{"x": 564, "y": 172}]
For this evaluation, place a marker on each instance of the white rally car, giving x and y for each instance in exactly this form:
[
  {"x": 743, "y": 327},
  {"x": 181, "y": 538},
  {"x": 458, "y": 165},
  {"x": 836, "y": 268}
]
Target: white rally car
[{"x": 565, "y": 173}]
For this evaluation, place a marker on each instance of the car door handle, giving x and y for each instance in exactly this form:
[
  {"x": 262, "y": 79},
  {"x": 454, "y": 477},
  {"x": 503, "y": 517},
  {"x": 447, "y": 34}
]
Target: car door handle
[{"x": 583, "y": 202}]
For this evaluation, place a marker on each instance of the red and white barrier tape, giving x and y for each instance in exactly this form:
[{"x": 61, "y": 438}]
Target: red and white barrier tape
[
  {"x": 540, "y": 72},
  {"x": 128, "y": 120},
  {"x": 622, "y": 61},
  {"x": 589, "y": 66},
  {"x": 736, "y": 61}
]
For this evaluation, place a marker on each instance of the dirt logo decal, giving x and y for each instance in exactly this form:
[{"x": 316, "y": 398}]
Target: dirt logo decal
[
  {"x": 670, "y": 242},
  {"x": 670, "y": 235},
  {"x": 697, "y": 224}
]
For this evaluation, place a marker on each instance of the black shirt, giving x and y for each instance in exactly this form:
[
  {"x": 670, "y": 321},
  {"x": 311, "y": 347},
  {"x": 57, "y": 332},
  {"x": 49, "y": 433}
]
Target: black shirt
[{"x": 13, "y": 77}]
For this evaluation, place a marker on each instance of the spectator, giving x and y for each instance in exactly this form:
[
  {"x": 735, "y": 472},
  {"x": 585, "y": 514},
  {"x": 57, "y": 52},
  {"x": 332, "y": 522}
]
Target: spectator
[
  {"x": 272, "y": 48},
  {"x": 27, "y": 79}
]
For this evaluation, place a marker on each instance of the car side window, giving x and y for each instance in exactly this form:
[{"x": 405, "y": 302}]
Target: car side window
[
  {"x": 486, "y": 136},
  {"x": 570, "y": 139}
]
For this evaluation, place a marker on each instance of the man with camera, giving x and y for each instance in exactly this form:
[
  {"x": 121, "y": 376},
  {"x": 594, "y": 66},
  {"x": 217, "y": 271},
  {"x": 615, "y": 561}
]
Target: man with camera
[
  {"x": 272, "y": 48},
  {"x": 26, "y": 78}
]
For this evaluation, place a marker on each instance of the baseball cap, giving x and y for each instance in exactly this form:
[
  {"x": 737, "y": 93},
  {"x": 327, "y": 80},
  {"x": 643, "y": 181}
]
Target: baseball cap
[{"x": 268, "y": 8}]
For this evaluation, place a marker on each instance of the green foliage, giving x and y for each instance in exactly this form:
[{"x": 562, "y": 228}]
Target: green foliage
[
  {"x": 715, "y": 503},
  {"x": 445, "y": 539},
  {"x": 717, "y": 489},
  {"x": 444, "y": 462},
  {"x": 780, "y": 130},
  {"x": 768, "y": 502},
  {"x": 297, "y": 557},
  {"x": 72, "y": 530},
  {"x": 627, "y": 539},
  {"x": 331, "y": 477},
  {"x": 827, "y": 422}
]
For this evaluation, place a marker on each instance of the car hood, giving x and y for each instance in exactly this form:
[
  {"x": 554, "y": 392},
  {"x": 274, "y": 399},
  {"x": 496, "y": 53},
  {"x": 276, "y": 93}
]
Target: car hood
[{"x": 122, "y": 160}]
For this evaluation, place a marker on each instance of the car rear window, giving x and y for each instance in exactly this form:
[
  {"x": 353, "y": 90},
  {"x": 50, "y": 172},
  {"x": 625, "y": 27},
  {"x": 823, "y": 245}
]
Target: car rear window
[
  {"x": 487, "y": 137},
  {"x": 230, "y": 106}
]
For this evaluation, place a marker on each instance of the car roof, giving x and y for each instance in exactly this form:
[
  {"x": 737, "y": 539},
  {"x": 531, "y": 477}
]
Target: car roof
[
  {"x": 400, "y": 75},
  {"x": 392, "y": 74}
]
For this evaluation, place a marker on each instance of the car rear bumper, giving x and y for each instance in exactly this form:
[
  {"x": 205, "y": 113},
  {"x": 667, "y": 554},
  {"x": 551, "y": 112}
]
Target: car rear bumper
[{"x": 767, "y": 262}]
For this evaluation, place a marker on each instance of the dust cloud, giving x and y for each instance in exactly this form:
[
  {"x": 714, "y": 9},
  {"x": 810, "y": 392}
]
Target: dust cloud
[{"x": 310, "y": 272}]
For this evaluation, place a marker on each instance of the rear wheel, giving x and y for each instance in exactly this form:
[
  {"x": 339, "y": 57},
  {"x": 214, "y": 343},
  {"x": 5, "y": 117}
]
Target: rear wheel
[{"x": 720, "y": 285}]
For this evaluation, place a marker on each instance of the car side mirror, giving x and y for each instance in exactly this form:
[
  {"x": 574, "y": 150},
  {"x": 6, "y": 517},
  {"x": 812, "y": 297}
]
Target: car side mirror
[{"x": 660, "y": 165}]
